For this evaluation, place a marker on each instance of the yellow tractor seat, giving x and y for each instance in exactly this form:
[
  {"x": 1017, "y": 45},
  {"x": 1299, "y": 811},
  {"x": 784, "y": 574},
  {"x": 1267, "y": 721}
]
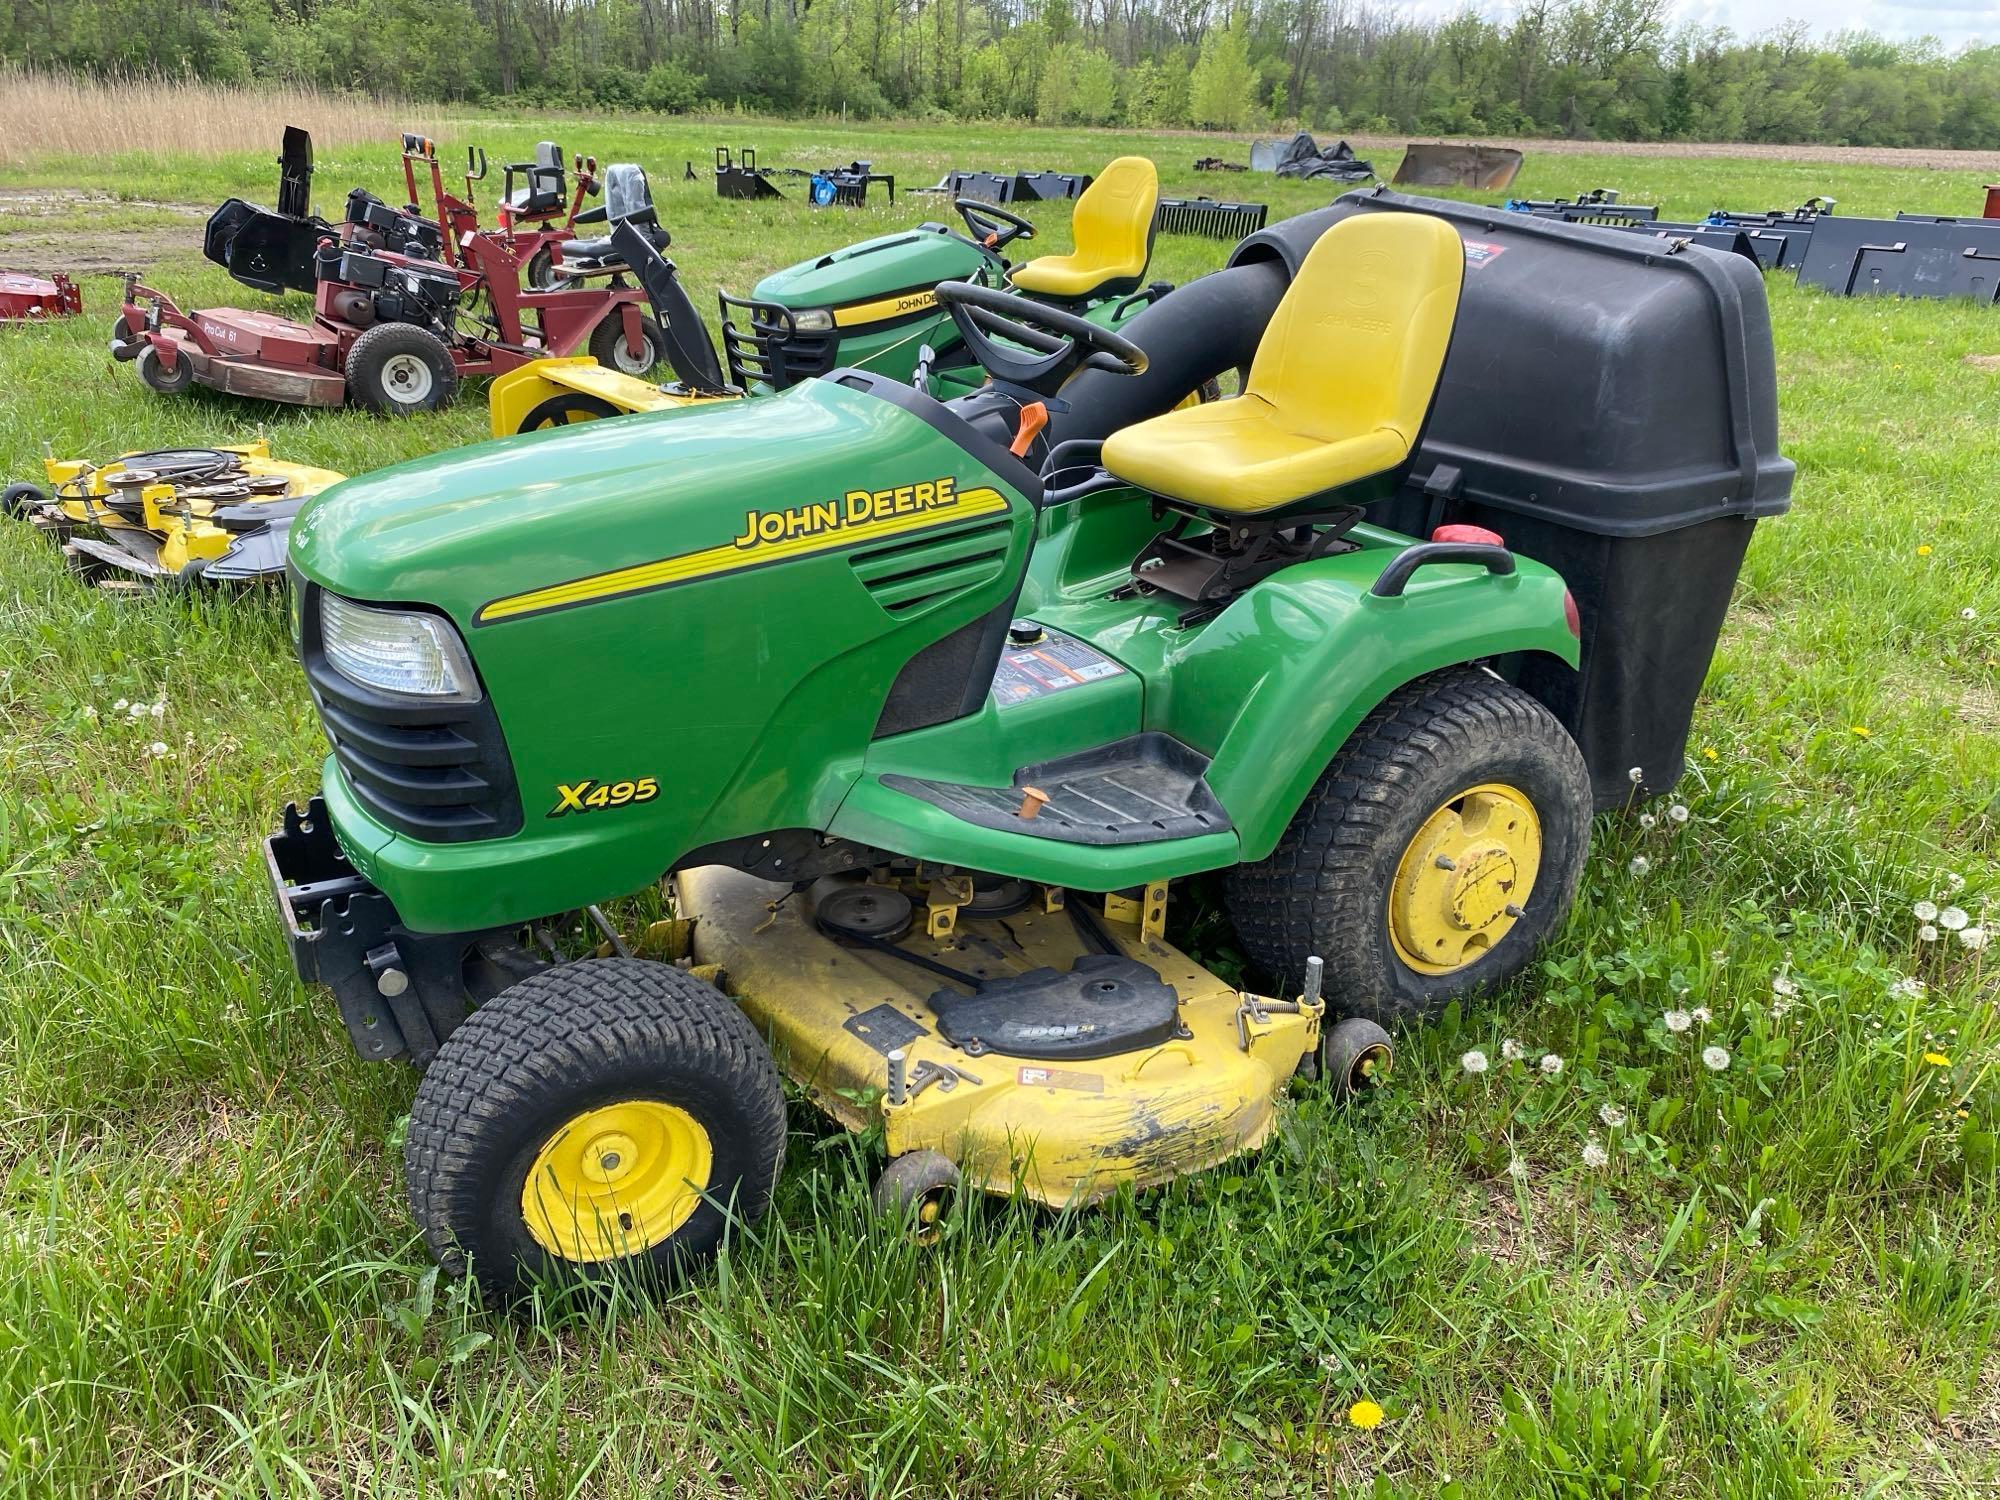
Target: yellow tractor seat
[
  {"x": 1341, "y": 385},
  {"x": 1113, "y": 226}
]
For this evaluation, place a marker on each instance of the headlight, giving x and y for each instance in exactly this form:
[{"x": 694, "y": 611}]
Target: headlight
[
  {"x": 398, "y": 651},
  {"x": 813, "y": 320}
]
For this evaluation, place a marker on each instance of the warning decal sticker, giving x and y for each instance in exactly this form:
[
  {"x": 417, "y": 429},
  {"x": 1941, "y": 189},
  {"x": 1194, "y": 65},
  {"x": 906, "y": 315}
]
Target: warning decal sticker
[
  {"x": 1053, "y": 664},
  {"x": 1479, "y": 252}
]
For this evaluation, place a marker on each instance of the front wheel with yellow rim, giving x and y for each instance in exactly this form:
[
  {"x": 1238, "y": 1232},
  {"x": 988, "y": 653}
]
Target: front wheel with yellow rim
[
  {"x": 1435, "y": 853},
  {"x": 597, "y": 1119}
]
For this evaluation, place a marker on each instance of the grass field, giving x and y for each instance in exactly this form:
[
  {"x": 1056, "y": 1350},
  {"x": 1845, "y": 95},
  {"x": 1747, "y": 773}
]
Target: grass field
[{"x": 1780, "y": 1281}]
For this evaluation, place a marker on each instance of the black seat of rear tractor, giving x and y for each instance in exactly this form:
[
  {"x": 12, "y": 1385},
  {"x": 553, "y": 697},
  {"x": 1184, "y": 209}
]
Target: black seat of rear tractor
[
  {"x": 628, "y": 199},
  {"x": 600, "y": 249},
  {"x": 543, "y": 194}
]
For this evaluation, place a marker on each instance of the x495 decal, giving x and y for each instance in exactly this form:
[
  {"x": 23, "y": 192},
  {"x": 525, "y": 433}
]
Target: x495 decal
[{"x": 594, "y": 796}]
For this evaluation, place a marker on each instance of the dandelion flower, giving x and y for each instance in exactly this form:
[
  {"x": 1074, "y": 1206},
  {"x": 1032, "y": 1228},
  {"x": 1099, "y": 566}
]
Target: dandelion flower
[
  {"x": 159, "y": 709},
  {"x": 1937, "y": 1059},
  {"x": 1784, "y": 984},
  {"x": 1927, "y": 933},
  {"x": 138, "y": 710},
  {"x": 1512, "y": 1051},
  {"x": 1678, "y": 813},
  {"x": 1677, "y": 1021},
  {"x": 1551, "y": 1064},
  {"x": 158, "y": 750},
  {"x": 1701, "y": 1015},
  {"x": 1611, "y": 1115},
  {"x": 1974, "y": 938},
  {"x": 1636, "y": 775},
  {"x": 1708, "y": 753},
  {"x": 1640, "y": 864},
  {"x": 1473, "y": 1061},
  {"x": 1365, "y": 1414},
  {"x": 1862, "y": 730},
  {"x": 1968, "y": 613},
  {"x": 1647, "y": 820},
  {"x": 1924, "y": 550},
  {"x": 1715, "y": 1059},
  {"x": 118, "y": 707},
  {"x": 1926, "y": 911},
  {"x": 1952, "y": 918},
  {"x": 1594, "y": 1154}
]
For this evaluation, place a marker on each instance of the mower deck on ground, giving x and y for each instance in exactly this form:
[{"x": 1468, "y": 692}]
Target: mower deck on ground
[
  {"x": 27, "y": 299},
  {"x": 222, "y": 515},
  {"x": 920, "y": 707}
]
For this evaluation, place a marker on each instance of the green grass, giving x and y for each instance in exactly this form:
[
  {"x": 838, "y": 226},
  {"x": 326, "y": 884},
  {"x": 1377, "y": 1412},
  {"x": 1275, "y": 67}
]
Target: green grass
[{"x": 1782, "y": 1282}]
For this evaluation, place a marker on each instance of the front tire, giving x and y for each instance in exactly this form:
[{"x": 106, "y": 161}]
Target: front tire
[
  {"x": 158, "y": 378},
  {"x": 1431, "y": 858},
  {"x": 607, "y": 345},
  {"x": 399, "y": 368},
  {"x": 599, "y": 1119}
]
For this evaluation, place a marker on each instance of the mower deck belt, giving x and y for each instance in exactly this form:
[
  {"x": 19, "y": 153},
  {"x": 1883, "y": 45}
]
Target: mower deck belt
[
  {"x": 1101, "y": 1006},
  {"x": 1136, "y": 791}
]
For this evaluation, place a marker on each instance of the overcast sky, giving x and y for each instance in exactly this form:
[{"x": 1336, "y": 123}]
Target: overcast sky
[{"x": 1952, "y": 22}]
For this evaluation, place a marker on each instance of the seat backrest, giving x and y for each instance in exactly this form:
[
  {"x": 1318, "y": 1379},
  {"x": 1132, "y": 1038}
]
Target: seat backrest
[
  {"x": 1113, "y": 220},
  {"x": 1358, "y": 341},
  {"x": 627, "y": 195}
]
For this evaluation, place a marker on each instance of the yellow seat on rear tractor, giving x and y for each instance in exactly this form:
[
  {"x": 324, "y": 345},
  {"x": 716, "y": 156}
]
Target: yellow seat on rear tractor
[
  {"x": 1341, "y": 385},
  {"x": 1113, "y": 226}
]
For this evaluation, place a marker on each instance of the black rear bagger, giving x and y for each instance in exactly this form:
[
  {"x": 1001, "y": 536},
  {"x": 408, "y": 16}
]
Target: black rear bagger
[{"x": 1652, "y": 454}]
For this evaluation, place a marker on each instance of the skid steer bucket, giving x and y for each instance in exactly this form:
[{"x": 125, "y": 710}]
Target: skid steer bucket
[{"x": 1442, "y": 164}]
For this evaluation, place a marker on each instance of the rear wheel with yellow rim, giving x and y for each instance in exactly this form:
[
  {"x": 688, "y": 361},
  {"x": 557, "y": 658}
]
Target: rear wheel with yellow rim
[
  {"x": 1437, "y": 850},
  {"x": 599, "y": 1118}
]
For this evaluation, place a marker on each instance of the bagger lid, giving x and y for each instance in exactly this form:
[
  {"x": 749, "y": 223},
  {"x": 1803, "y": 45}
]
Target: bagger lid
[{"x": 1610, "y": 382}]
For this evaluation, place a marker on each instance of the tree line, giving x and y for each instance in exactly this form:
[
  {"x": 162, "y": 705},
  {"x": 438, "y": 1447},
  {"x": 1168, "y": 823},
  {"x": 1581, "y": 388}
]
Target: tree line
[{"x": 1588, "y": 69}]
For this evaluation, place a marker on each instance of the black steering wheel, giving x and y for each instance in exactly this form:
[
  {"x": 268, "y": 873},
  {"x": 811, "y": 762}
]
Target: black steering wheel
[
  {"x": 1057, "y": 343},
  {"x": 994, "y": 228}
]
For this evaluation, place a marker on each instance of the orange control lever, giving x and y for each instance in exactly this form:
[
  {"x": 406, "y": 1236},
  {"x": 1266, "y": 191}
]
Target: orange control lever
[{"x": 1034, "y": 417}]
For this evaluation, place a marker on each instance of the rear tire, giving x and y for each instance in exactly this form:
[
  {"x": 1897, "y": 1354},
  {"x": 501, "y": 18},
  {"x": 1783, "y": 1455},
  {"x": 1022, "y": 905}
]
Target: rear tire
[
  {"x": 599, "y": 1120},
  {"x": 607, "y": 345},
  {"x": 1455, "y": 763},
  {"x": 157, "y": 377},
  {"x": 399, "y": 368}
]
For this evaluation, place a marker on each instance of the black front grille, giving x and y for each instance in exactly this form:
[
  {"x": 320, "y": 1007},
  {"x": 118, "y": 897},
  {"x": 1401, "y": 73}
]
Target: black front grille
[
  {"x": 439, "y": 772},
  {"x": 765, "y": 347}
]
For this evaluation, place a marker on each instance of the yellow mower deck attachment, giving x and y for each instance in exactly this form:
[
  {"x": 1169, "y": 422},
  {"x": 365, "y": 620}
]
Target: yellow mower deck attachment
[
  {"x": 223, "y": 511},
  {"x": 556, "y": 392},
  {"x": 858, "y": 1027}
]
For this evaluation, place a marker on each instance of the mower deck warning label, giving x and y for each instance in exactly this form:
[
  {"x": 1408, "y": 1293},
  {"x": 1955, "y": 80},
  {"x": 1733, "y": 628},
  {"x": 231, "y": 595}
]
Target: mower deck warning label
[{"x": 1053, "y": 664}]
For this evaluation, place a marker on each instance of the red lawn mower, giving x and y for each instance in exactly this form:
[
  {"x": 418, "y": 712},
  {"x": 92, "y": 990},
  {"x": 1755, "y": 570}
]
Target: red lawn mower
[
  {"x": 404, "y": 308},
  {"x": 27, "y": 299}
]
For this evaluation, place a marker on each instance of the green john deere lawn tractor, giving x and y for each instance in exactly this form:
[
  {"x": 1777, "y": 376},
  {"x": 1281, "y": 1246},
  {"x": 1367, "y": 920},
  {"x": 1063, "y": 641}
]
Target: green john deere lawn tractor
[
  {"x": 870, "y": 306},
  {"x": 919, "y": 708}
]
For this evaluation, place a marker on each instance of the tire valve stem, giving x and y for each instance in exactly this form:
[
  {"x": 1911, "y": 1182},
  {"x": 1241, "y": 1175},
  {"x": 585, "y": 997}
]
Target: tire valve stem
[
  {"x": 1446, "y": 862},
  {"x": 899, "y": 1082},
  {"x": 1315, "y": 972},
  {"x": 1515, "y": 910}
]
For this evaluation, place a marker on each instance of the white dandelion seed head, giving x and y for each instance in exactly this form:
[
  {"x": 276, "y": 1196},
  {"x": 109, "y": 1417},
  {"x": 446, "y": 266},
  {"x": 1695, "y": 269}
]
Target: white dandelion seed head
[
  {"x": 1473, "y": 1061},
  {"x": 1783, "y": 984},
  {"x": 1719, "y": 957},
  {"x": 1677, "y": 1021},
  {"x": 1927, "y": 933},
  {"x": 1926, "y": 911},
  {"x": 1779, "y": 1007},
  {"x": 1516, "y": 1168},
  {"x": 1611, "y": 1115},
  {"x": 1512, "y": 1051},
  {"x": 1968, "y": 613},
  {"x": 1550, "y": 1064},
  {"x": 1640, "y": 864},
  {"x": 1647, "y": 820},
  {"x": 1594, "y": 1154},
  {"x": 158, "y": 750},
  {"x": 137, "y": 710},
  {"x": 1954, "y": 882},
  {"x": 118, "y": 707},
  {"x": 1952, "y": 918},
  {"x": 159, "y": 709},
  {"x": 1974, "y": 938},
  {"x": 1636, "y": 775},
  {"x": 1715, "y": 1059},
  {"x": 90, "y": 712},
  {"x": 1678, "y": 813},
  {"x": 1701, "y": 1015}
]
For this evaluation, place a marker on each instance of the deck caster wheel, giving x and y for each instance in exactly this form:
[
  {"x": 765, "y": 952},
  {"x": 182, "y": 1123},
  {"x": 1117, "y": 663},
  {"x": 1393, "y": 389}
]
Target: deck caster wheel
[
  {"x": 599, "y": 1120},
  {"x": 1356, "y": 1056},
  {"x": 568, "y": 408},
  {"x": 18, "y": 499},
  {"x": 399, "y": 368},
  {"x": 158, "y": 378},
  {"x": 913, "y": 1193}
]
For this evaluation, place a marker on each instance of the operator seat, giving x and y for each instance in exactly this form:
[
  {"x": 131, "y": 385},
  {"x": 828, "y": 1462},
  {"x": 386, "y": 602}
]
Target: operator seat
[
  {"x": 1113, "y": 227},
  {"x": 628, "y": 199},
  {"x": 1338, "y": 393},
  {"x": 543, "y": 194}
]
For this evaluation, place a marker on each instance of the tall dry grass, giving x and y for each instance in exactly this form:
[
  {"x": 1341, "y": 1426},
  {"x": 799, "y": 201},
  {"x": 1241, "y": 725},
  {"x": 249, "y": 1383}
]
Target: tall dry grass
[{"x": 52, "y": 113}]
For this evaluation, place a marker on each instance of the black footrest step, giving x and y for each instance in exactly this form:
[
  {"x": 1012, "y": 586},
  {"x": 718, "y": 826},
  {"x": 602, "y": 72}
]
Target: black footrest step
[{"x": 1140, "y": 790}]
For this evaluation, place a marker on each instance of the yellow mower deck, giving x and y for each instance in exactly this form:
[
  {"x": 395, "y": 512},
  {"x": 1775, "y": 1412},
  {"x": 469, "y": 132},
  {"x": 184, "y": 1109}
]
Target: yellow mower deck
[
  {"x": 172, "y": 529},
  {"x": 1064, "y": 1132},
  {"x": 515, "y": 394}
]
